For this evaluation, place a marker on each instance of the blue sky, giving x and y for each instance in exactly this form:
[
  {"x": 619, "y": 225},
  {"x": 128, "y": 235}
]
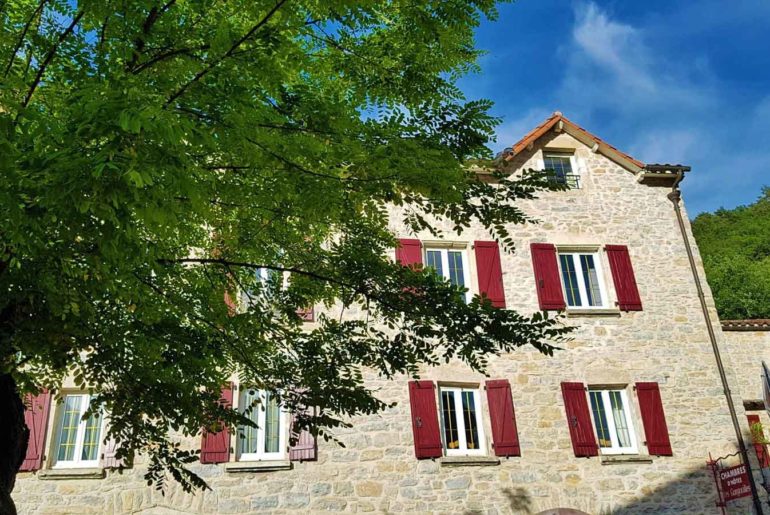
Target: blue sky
[{"x": 668, "y": 81}]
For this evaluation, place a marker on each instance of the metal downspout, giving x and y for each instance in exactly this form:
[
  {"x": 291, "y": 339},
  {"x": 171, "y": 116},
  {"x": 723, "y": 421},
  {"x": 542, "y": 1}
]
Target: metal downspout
[{"x": 675, "y": 197}]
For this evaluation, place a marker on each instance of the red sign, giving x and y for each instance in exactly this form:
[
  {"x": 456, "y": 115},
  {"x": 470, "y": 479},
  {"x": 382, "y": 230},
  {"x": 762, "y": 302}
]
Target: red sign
[{"x": 735, "y": 482}]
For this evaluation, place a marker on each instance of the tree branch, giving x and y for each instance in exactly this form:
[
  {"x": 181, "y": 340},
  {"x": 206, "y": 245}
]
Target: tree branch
[
  {"x": 227, "y": 54},
  {"x": 23, "y": 36},
  {"x": 244, "y": 264},
  {"x": 165, "y": 55},
  {"x": 49, "y": 57},
  {"x": 292, "y": 164},
  {"x": 141, "y": 41},
  {"x": 355, "y": 289}
]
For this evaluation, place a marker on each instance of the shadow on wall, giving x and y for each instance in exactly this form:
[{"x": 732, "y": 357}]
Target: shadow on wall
[{"x": 694, "y": 492}]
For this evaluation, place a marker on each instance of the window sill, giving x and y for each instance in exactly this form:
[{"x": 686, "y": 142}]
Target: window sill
[
  {"x": 622, "y": 460},
  {"x": 469, "y": 461},
  {"x": 605, "y": 312},
  {"x": 257, "y": 466},
  {"x": 76, "y": 473}
]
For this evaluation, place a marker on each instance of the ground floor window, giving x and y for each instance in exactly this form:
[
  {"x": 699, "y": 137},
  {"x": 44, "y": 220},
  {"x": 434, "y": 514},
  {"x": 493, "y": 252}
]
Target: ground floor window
[
  {"x": 463, "y": 433},
  {"x": 267, "y": 441},
  {"x": 77, "y": 439},
  {"x": 612, "y": 420}
]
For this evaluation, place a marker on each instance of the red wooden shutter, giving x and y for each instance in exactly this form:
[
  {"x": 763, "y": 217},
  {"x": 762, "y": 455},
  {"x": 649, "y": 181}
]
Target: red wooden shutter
[
  {"x": 306, "y": 314},
  {"x": 653, "y": 419},
  {"x": 305, "y": 449},
  {"x": 579, "y": 419},
  {"x": 36, "y": 418},
  {"x": 427, "y": 437},
  {"x": 109, "y": 456},
  {"x": 623, "y": 277},
  {"x": 409, "y": 252},
  {"x": 215, "y": 447},
  {"x": 547, "y": 280},
  {"x": 490, "y": 272},
  {"x": 230, "y": 303},
  {"x": 505, "y": 437},
  {"x": 757, "y": 438}
]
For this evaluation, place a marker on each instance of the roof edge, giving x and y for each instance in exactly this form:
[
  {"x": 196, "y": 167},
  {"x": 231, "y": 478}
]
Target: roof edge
[
  {"x": 757, "y": 324},
  {"x": 596, "y": 143}
]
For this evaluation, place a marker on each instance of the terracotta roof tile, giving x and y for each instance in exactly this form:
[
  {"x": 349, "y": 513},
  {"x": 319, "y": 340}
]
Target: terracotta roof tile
[
  {"x": 549, "y": 123},
  {"x": 757, "y": 324}
]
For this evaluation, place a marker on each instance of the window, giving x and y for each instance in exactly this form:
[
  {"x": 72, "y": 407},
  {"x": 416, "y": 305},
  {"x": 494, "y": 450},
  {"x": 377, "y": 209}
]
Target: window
[
  {"x": 451, "y": 264},
  {"x": 561, "y": 165},
  {"x": 612, "y": 421},
  {"x": 582, "y": 280},
  {"x": 77, "y": 440},
  {"x": 267, "y": 441},
  {"x": 462, "y": 431},
  {"x": 264, "y": 284}
]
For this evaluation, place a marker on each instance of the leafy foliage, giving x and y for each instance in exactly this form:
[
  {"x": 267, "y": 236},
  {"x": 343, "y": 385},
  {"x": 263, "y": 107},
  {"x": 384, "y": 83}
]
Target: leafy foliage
[
  {"x": 156, "y": 154},
  {"x": 735, "y": 245}
]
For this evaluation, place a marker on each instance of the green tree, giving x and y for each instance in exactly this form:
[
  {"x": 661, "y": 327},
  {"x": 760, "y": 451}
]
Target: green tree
[
  {"x": 155, "y": 154},
  {"x": 735, "y": 246}
]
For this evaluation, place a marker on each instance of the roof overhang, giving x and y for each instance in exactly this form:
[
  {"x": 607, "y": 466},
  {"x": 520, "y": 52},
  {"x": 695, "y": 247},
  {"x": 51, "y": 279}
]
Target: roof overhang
[
  {"x": 761, "y": 324},
  {"x": 559, "y": 123}
]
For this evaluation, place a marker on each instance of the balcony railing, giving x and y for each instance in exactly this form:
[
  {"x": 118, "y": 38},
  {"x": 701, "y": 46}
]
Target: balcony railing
[{"x": 571, "y": 180}]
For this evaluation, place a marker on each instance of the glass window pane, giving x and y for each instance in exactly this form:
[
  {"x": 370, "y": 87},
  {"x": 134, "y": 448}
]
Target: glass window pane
[
  {"x": 456, "y": 268},
  {"x": 91, "y": 437},
  {"x": 448, "y": 413},
  {"x": 68, "y": 427},
  {"x": 272, "y": 423},
  {"x": 469, "y": 417},
  {"x": 570, "y": 279},
  {"x": 619, "y": 416},
  {"x": 591, "y": 280},
  {"x": 250, "y": 406},
  {"x": 560, "y": 165},
  {"x": 433, "y": 260},
  {"x": 600, "y": 419}
]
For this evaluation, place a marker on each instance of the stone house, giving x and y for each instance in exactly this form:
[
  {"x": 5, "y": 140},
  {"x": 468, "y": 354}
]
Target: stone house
[{"x": 622, "y": 420}]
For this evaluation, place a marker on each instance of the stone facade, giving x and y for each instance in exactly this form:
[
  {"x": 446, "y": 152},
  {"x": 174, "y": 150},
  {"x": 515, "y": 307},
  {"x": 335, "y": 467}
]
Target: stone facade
[
  {"x": 747, "y": 344},
  {"x": 377, "y": 471}
]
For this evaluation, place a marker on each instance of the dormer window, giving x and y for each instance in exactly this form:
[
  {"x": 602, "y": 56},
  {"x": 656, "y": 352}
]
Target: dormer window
[{"x": 561, "y": 164}]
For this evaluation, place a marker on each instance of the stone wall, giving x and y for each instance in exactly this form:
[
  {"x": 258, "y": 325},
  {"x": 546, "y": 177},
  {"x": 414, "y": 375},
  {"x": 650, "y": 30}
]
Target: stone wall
[
  {"x": 747, "y": 344},
  {"x": 746, "y": 347},
  {"x": 667, "y": 343}
]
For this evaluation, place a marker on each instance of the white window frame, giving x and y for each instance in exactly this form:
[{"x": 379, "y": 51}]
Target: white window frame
[
  {"x": 261, "y": 455},
  {"x": 445, "y": 263},
  {"x": 615, "y": 448},
  {"x": 76, "y": 462},
  {"x": 575, "y": 253},
  {"x": 462, "y": 450},
  {"x": 573, "y": 163}
]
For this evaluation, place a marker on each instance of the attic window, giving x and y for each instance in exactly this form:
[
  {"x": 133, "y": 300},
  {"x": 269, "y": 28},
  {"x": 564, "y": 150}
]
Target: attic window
[{"x": 561, "y": 164}]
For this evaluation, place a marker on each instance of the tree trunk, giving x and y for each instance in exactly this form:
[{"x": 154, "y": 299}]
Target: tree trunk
[{"x": 14, "y": 436}]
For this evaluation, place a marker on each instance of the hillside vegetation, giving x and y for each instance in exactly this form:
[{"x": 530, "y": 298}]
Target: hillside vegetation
[{"x": 735, "y": 245}]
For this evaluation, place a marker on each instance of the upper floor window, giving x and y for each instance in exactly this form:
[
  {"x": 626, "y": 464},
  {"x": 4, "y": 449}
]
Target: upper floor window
[
  {"x": 77, "y": 439},
  {"x": 463, "y": 433},
  {"x": 612, "y": 421},
  {"x": 267, "y": 441},
  {"x": 561, "y": 164},
  {"x": 582, "y": 279},
  {"x": 451, "y": 264}
]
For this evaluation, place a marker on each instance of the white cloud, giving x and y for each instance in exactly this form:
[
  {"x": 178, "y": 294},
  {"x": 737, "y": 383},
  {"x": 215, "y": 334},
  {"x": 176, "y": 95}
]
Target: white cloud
[
  {"x": 666, "y": 146},
  {"x": 638, "y": 92},
  {"x": 614, "y": 47},
  {"x": 611, "y": 65}
]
